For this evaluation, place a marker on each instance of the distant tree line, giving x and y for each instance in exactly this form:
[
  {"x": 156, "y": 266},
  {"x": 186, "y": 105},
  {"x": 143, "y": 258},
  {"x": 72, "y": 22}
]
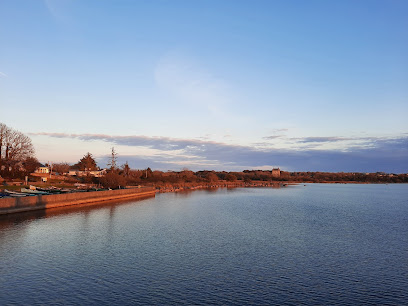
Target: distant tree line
[
  {"x": 159, "y": 178},
  {"x": 17, "y": 159}
]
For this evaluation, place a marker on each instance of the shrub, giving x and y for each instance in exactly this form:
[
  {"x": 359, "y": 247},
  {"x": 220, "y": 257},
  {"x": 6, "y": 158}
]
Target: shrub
[{"x": 113, "y": 181}]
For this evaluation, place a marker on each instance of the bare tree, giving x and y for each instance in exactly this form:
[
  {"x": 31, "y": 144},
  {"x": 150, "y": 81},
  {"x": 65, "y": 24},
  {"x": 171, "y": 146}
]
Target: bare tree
[
  {"x": 4, "y": 131},
  {"x": 30, "y": 164},
  {"x": 126, "y": 169},
  {"x": 61, "y": 168},
  {"x": 113, "y": 161},
  {"x": 15, "y": 147},
  {"x": 19, "y": 146}
]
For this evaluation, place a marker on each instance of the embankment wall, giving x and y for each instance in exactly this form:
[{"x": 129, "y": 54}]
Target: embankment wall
[{"x": 14, "y": 205}]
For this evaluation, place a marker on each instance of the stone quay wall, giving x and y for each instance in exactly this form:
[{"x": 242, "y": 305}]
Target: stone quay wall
[{"x": 29, "y": 203}]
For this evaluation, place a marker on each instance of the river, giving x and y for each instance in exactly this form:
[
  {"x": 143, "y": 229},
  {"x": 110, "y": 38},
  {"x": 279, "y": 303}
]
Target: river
[{"x": 306, "y": 244}]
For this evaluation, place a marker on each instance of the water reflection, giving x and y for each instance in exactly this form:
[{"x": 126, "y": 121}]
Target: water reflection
[
  {"x": 216, "y": 246},
  {"x": 84, "y": 210},
  {"x": 10, "y": 220},
  {"x": 16, "y": 219}
]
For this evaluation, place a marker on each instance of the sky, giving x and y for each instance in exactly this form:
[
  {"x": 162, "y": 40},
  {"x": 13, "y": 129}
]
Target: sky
[{"x": 210, "y": 85}]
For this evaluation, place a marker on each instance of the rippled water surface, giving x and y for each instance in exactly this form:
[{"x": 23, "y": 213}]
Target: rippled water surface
[{"x": 314, "y": 244}]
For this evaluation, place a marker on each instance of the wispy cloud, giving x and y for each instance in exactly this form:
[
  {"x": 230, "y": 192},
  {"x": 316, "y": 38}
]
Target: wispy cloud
[
  {"x": 3, "y": 75},
  {"x": 59, "y": 9},
  {"x": 322, "y": 139},
  {"x": 276, "y": 133},
  {"x": 280, "y": 130},
  {"x": 160, "y": 143},
  {"x": 272, "y": 137},
  {"x": 182, "y": 76},
  {"x": 384, "y": 154},
  {"x": 334, "y": 143}
]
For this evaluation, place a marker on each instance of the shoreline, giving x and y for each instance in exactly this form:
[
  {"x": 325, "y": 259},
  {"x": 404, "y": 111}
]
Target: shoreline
[
  {"x": 192, "y": 186},
  {"x": 273, "y": 184},
  {"x": 42, "y": 202}
]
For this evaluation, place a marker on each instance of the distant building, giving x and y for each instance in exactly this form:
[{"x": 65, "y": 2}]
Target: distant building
[
  {"x": 73, "y": 172},
  {"x": 42, "y": 169},
  {"x": 276, "y": 172},
  {"x": 95, "y": 173}
]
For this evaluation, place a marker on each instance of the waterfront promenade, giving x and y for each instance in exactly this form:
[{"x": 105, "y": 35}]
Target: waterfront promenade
[{"x": 15, "y": 205}]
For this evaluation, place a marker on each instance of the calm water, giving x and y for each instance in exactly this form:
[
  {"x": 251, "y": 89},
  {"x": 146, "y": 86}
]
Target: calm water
[{"x": 314, "y": 244}]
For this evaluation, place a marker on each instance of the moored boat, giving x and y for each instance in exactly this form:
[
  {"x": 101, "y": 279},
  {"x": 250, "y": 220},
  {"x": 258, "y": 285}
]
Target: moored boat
[
  {"x": 15, "y": 193},
  {"x": 35, "y": 192}
]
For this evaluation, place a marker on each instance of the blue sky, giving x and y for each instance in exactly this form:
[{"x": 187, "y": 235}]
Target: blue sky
[{"x": 234, "y": 85}]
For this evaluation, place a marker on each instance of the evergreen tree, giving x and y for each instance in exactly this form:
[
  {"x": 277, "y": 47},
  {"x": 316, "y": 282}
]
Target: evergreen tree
[{"x": 87, "y": 163}]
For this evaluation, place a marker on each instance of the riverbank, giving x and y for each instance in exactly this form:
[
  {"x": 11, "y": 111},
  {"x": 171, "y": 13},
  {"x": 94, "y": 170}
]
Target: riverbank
[
  {"x": 24, "y": 204},
  {"x": 220, "y": 184},
  {"x": 40, "y": 202},
  {"x": 12, "y": 205},
  {"x": 176, "y": 187}
]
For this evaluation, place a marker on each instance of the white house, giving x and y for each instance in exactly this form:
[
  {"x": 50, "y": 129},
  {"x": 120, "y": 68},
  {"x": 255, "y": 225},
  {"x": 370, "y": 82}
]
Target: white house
[
  {"x": 42, "y": 169},
  {"x": 95, "y": 173}
]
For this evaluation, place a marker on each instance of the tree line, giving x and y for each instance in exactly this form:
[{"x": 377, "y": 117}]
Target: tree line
[
  {"x": 124, "y": 175},
  {"x": 17, "y": 159}
]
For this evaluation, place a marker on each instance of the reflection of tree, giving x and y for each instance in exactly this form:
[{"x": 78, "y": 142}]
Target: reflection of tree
[{"x": 13, "y": 231}]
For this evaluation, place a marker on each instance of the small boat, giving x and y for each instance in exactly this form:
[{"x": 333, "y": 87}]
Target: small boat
[
  {"x": 49, "y": 190},
  {"x": 15, "y": 194},
  {"x": 3, "y": 195},
  {"x": 35, "y": 192}
]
